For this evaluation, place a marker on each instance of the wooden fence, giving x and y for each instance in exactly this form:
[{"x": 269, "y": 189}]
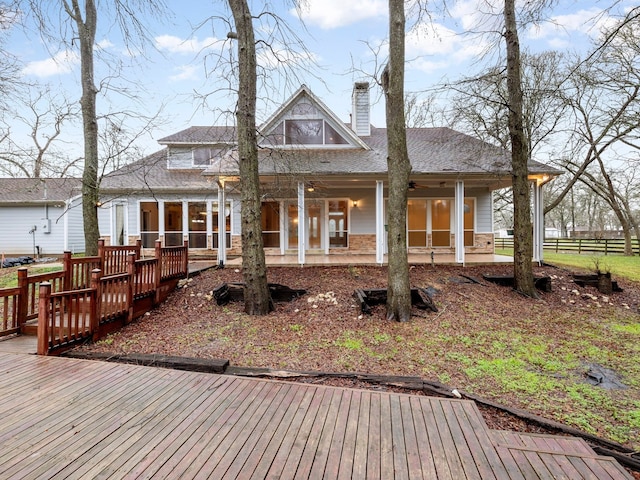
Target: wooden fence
[
  {"x": 80, "y": 300},
  {"x": 604, "y": 246}
]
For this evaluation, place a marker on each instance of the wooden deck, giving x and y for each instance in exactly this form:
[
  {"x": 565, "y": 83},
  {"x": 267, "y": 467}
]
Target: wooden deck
[{"x": 75, "y": 419}]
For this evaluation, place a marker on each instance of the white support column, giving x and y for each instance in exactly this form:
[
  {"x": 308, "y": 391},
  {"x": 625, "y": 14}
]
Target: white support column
[
  {"x": 283, "y": 222},
  {"x": 538, "y": 223},
  {"x": 161, "y": 225},
  {"x": 185, "y": 221},
  {"x": 301, "y": 224},
  {"x": 379, "y": 222},
  {"x": 222, "y": 224},
  {"x": 458, "y": 228}
]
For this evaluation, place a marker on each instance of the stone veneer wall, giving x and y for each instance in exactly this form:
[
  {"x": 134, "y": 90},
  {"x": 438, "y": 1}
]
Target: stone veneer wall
[{"x": 359, "y": 243}]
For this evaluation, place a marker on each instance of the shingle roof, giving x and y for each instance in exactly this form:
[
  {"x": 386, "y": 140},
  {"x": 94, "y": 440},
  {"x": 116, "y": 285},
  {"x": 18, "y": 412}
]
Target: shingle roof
[
  {"x": 151, "y": 173},
  {"x": 431, "y": 151},
  {"x": 38, "y": 190},
  {"x": 198, "y": 135}
]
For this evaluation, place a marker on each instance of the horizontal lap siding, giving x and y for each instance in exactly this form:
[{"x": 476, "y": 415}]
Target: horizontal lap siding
[{"x": 16, "y": 222}]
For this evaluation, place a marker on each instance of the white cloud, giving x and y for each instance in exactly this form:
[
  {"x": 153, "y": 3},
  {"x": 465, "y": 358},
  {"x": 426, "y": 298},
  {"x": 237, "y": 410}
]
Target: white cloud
[
  {"x": 186, "y": 72},
  {"x": 104, "y": 44},
  {"x": 436, "y": 47},
  {"x": 63, "y": 62},
  {"x": 189, "y": 46},
  {"x": 328, "y": 14},
  {"x": 588, "y": 22},
  {"x": 476, "y": 15}
]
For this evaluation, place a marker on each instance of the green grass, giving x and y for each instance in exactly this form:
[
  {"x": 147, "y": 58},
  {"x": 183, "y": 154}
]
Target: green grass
[
  {"x": 9, "y": 279},
  {"x": 618, "y": 265}
]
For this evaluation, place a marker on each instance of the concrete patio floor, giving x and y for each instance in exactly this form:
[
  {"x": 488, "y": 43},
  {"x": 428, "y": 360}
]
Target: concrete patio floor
[{"x": 363, "y": 259}]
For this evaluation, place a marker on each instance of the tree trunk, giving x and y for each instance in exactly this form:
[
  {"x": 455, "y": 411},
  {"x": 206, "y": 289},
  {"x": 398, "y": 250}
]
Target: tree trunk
[
  {"x": 257, "y": 300},
  {"x": 522, "y": 227},
  {"x": 90, "y": 187},
  {"x": 399, "y": 168}
]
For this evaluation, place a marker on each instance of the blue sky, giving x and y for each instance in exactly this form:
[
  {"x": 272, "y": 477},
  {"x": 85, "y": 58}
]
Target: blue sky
[{"x": 339, "y": 36}]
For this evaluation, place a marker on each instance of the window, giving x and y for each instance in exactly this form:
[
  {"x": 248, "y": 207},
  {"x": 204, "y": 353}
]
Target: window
[
  {"x": 338, "y": 224},
  {"x": 441, "y": 223},
  {"x": 417, "y": 223},
  {"x": 149, "y": 230},
  {"x": 303, "y": 132},
  {"x": 173, "y": 224},
  {"x": 119, "y": 230},
  {"x": 270, "y": 218},
  {"x": 331, "y": 136},
  {"x": 197, "y": 225},
  {"x": 227, "y": 222},
  {"x": 201, "y": 156},
  {"x": 469, "y": 205}
]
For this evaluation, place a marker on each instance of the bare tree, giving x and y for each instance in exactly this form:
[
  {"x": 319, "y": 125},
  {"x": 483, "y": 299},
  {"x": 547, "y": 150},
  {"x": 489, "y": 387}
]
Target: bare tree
[
  {"x": 82, "y": 25},
  {"x": 44, "y": 114},
  {"x": 480, "y": 103},
  {"x": 254, "y": 271},
  {"x": 603, "y": 94},
  {"x": 522, "y": 228},
  {"x": 399, "y": 168}
]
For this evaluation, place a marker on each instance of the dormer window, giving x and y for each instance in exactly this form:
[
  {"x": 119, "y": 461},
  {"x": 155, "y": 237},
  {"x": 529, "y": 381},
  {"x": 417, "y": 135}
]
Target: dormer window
[
  {"x": 201, "y": 156},
  {"x": 204, "y": 156}
]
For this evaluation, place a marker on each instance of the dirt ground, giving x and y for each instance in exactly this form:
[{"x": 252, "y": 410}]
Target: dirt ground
[{"x": 481, "y": 331}]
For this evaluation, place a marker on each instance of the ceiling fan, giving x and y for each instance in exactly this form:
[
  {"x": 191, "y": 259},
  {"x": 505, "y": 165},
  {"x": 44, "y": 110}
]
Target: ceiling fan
[{"x": 412, "y": 186}]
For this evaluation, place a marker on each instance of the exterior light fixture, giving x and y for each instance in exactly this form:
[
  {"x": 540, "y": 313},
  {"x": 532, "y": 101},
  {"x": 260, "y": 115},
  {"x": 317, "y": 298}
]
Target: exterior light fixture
[
  {"x": 355, "y": 203},
  {"x": 412, "y": 186}
]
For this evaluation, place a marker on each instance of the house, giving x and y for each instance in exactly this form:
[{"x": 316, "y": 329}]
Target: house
[
  {"x": 324, "y": 187},
  {"x": 40, "y": 216}
]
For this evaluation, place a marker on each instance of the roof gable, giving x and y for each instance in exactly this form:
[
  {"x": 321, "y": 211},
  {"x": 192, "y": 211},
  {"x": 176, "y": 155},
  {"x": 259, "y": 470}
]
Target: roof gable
[{"x": 304, "y": 121}]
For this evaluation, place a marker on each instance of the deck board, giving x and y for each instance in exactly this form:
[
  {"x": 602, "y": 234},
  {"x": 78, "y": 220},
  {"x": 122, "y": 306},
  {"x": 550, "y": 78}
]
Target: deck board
[{"x": 76, "y": 419}]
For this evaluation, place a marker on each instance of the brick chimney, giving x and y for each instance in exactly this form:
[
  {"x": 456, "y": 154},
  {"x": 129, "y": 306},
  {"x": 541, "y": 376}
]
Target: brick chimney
[{"x": 360, "y": 109}]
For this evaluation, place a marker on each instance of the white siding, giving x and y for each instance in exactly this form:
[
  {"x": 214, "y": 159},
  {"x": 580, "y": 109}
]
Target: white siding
[
  {"x": 484, "y": 206},
  {"x": 16, "y": 222},
  {"x": 75, "y": 227}
]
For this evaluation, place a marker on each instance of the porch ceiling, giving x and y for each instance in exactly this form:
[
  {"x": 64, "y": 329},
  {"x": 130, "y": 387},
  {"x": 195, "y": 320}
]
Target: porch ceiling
[{"x": 423, "y": 183}]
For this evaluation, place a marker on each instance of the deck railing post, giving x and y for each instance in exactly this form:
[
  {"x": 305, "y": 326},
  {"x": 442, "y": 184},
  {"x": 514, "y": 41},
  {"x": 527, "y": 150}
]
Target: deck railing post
[
  {"x": 185, "y": 259},
  {"x": 138, "y": 249},
  {"x": 158, "y": 276},
  {"x": 67, "y": 268},
  {"x": 131, "y": 270},
  {"x": 44, "y": 318},
  {"x": 23, "y": 297},
  {"x": 96, "y": 305},
  {"x": 101, "y": 253}
]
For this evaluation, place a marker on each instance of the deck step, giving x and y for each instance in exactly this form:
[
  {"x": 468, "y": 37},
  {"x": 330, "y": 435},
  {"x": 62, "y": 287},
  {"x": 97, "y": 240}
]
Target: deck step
[
  {"x": 531, "y": 455},
  {"x": 542, "y": 442},
  {"x": 30, "y": 328}
]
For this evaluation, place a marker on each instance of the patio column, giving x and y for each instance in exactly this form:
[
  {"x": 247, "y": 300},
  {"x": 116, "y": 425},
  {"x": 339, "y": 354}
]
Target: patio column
[
  {"x": 161, "y": 220},
  {"x": 185, "y": 220},
  {"x": 379, "y": 222},
  {"x": 458, "y": 228},
  {"x": 538, "y": 222},
  {"x": 222, "y": 224},
  {"x": 301, "y": 223}
]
